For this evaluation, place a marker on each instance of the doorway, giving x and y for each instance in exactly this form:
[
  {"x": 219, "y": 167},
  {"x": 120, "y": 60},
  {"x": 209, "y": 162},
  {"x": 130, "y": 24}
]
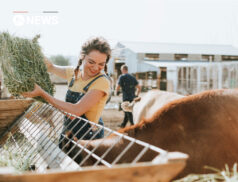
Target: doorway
[{"x": 163, "y": 78}]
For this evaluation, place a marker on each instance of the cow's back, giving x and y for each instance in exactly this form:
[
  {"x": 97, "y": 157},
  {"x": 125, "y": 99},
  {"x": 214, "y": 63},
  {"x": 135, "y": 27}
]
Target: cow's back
[{"x": 205, "y": 126}]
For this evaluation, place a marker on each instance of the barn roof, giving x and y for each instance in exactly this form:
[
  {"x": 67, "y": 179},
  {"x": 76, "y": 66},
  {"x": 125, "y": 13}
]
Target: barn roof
[
  {"x": 187, "y": 64},
  {"x": 175, "y": 48}
]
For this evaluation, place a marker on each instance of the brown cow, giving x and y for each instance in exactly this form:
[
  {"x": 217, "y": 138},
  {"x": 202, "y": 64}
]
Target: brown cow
[{"x": 205, "y": 126}]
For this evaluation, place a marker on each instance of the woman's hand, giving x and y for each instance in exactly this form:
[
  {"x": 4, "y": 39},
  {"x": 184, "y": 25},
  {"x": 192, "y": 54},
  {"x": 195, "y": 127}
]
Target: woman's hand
[{"x": 36, "y": 92}]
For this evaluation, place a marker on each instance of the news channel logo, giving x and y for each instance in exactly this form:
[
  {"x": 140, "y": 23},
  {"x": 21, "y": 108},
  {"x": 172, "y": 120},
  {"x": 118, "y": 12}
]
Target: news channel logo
[{"x": 21, "y": 18}]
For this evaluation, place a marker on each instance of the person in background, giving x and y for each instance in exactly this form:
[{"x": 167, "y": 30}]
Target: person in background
[
  {"x": 130, "y": 89},
  {"x": 88, "y": 90}
]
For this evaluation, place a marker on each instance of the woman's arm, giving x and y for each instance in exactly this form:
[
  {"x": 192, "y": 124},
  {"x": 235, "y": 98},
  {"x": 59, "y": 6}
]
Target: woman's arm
[
  {"x": 91, "y": 98},
  {"x": 55, "y": 69}
]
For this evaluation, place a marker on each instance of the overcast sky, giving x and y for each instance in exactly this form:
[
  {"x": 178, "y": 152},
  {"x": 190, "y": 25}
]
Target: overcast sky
[{"x": 72, "y": 22}]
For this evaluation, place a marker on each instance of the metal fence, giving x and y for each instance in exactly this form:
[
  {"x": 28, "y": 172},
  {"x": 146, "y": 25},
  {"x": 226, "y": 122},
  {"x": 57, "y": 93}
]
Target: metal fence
[{"x": 32, "y": 143}]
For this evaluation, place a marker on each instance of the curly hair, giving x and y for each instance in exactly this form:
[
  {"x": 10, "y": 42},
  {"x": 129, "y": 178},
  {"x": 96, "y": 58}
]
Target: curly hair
[{"x": 97, "y": 43}]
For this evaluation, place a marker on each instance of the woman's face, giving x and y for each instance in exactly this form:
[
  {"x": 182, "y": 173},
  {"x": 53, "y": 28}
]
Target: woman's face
[{"x": 94, "y": 63}]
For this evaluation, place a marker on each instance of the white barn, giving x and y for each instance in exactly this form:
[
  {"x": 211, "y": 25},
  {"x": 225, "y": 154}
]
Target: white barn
[{"x": 181, "y": 68}]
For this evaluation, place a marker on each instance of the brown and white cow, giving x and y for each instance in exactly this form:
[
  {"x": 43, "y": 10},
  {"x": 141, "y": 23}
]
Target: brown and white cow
[
  {"x": 204, "y": 126},
  {"x": 149, "y": 104}
]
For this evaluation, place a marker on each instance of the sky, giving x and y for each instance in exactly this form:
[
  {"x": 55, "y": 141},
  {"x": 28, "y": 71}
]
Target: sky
[{"x": 70, "y": 23}]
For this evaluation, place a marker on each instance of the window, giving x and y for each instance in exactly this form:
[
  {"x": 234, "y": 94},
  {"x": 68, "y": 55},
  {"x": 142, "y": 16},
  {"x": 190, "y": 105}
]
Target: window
[
  {"x": 206, "y": 57},
  {"x": 181, "y": 57},
  {"x": 225, "y": 78},
  {"x": 151, "y": 56},
  {"x": 229, "y": 58}
]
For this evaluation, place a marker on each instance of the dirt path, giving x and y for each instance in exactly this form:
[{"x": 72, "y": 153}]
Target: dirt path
[{"x": 112, "y": 118}]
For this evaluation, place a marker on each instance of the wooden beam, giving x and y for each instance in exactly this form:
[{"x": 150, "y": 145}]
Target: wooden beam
[
  {"x": 141, "y": 172},
  {"x": 15, "y": 104}
]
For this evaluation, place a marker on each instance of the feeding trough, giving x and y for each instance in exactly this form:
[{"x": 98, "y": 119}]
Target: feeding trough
[
  {"x": 34, "y": 139},
  {"x": 10, "y": 110}
]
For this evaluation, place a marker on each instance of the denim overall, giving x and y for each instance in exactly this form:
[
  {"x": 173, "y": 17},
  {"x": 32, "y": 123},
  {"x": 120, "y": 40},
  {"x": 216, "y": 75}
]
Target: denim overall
[{"x": 76, "y": 124}]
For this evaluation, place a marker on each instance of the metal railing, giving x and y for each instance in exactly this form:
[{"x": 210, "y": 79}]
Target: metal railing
[{"x": 34, "y": 141}]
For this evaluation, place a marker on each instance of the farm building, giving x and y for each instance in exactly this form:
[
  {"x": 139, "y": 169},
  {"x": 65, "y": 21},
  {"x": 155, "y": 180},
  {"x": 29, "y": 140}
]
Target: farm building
[{"x": 181, "y": 68}]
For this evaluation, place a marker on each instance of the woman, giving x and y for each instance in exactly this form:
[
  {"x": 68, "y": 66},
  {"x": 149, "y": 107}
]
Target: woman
[{"x": 88, "y": 90}]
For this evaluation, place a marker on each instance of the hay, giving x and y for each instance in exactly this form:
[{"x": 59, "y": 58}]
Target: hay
[
  {"x": 226, "y": 175},
  {"x": 12, "y": 156},
  {"x": 22, "y": 64}
]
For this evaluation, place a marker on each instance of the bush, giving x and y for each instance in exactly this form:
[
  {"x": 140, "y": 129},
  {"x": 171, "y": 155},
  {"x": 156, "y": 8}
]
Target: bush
[{"x": 60, "y": 60}]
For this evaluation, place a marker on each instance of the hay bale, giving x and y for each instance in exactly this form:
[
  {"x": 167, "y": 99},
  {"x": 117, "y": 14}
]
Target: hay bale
[{"x": 22, "y": 63}]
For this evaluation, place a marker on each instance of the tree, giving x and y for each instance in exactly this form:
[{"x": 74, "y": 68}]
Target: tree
[{"x": 60, "y": 60}]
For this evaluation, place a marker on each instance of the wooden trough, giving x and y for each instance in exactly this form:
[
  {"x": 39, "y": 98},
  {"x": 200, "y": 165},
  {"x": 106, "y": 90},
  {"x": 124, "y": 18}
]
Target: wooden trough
[
  {"x": 40, "y": 147},
  {"x": 144, "y": 172},
  {"x": 10, "y": 110}
]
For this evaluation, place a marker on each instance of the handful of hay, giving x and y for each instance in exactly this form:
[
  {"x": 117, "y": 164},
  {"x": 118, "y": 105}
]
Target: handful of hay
[
  {"x": 22, "y": 64},
  {"x": 226, "y": 175}
]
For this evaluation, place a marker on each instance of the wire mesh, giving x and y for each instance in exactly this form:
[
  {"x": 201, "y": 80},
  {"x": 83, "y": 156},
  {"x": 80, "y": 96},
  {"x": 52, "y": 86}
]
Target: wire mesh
[{"x": 33, "y": 144}]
